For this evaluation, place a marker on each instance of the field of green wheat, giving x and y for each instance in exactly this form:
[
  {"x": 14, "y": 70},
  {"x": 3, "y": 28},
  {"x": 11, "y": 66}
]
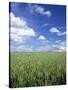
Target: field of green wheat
[{"x": 28, "y": 69}]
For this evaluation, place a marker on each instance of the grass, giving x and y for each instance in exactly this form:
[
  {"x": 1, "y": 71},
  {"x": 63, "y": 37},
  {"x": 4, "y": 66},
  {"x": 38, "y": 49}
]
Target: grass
[{"x": 29, "y": 69}]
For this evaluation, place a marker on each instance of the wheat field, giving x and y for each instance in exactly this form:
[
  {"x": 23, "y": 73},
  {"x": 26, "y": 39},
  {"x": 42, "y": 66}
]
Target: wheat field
[{"x": 29, "y": 69}]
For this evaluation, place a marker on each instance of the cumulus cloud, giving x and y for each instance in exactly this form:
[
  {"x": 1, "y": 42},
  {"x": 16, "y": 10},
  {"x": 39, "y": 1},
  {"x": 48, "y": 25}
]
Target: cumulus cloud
[
  {"x": 41, "y": 37},
  {"x": 61, "y": 46},
  {"x": 39, "y": 9},
  {"x": 22, "y": 31},
  {"x": 48, "y": 13},
  {"x": 54, "y": 30},
  {"x": 61, "y": 33},
  {"x": 15, "y": 37},
  {"x": 57, "y": 31},
  {"x": 19, "y": 30},
  {"x": 16, "y": 21},
  {"x": 57, "y": 46}
]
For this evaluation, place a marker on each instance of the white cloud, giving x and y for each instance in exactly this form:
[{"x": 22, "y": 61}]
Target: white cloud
[
  {"x": 15, "y": 37},
  {"x": 24, "y": 48},
  {"x": 61, "y": 46},
  {"x": 26, "y": 32},
  {"x": 63, "y": 43},
  {"x": 48, "y": 13},
  {"x": 58, "y": 41},
  {"x": 44, "y": 48},
  {"x": 54, "y": 30},
  {"x": 52, "y": 48},
  {"x": 39, "y": 9},
  {"x": 19, "y": 30},
  {"x": 57, "y": 31},
  {"x": 16, "y": 21},
  {"x": 61, "y": 33},
  {"x": 46, "y": 24},
  {"x": 41, "y": 37},
  {"x": 22, "y": 31}
]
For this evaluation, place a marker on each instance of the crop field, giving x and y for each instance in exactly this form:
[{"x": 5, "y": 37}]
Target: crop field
[{"x": 28, "y": 69}]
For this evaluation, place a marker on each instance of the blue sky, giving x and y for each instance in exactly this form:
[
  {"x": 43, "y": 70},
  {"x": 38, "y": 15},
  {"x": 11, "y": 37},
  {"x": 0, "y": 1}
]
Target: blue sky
[{"x": 37, "y": 27}]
